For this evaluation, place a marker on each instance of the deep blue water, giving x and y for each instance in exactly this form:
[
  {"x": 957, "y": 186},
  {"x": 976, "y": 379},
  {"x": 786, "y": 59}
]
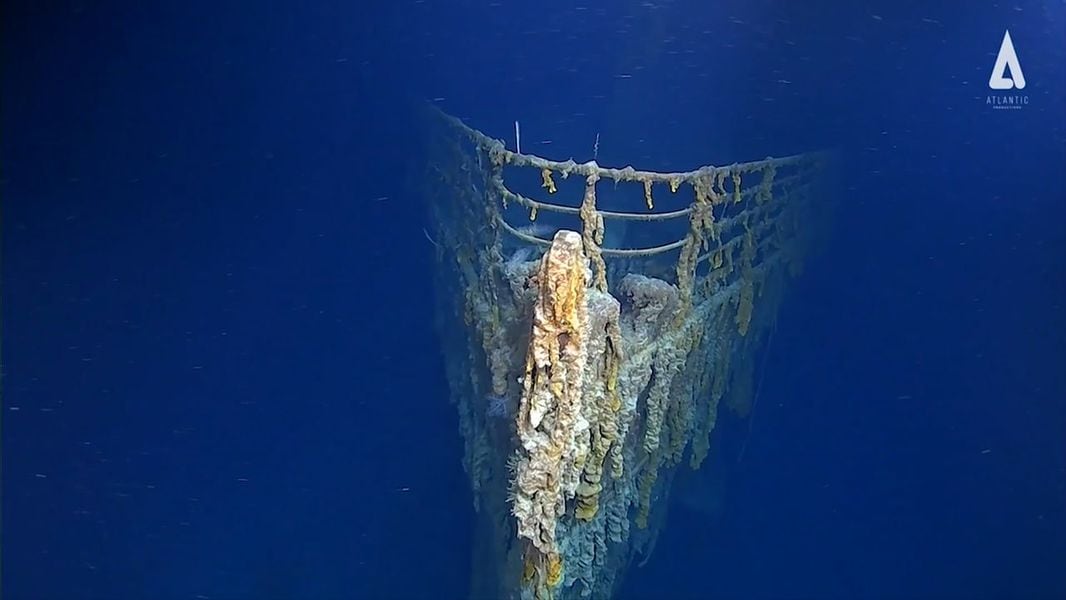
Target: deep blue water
[{"x": 221, "y": 377}]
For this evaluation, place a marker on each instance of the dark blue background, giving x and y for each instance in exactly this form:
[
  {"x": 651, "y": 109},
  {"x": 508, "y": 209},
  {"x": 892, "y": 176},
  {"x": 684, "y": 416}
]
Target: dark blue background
[{"x": 221, "y": 377}]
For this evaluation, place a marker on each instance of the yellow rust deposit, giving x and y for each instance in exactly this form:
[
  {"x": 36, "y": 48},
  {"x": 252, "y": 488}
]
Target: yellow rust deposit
[
  {"x": 647, "y": 194},
  {"x": 592, "y": 233},
  {"x": 746, "y": 298},
  {"x": 602, "y": 388},
  {"x": 554, "y": 570},
  {"x": 549, "y": 421},
  {"x": 546, "y": 180}
]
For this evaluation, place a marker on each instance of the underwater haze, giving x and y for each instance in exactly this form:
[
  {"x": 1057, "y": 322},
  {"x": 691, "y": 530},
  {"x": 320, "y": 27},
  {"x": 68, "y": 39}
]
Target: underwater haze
[{"x": 223, "y": 372}]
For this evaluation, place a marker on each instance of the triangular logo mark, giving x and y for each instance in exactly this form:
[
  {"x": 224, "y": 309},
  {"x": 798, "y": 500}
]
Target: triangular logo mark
[{"x": 1007, "y": 58}]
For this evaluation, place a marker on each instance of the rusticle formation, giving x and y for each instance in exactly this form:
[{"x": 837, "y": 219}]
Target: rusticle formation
[{"x": 613, "y": 359}]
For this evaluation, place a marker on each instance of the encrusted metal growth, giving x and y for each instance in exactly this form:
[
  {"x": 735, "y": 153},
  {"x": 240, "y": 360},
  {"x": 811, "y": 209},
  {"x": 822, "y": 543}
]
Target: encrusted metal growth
[{"x": 588, "y": 347}]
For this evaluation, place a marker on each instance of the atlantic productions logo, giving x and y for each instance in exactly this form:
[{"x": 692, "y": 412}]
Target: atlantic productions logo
[{"x": 1007, "y": 79}]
